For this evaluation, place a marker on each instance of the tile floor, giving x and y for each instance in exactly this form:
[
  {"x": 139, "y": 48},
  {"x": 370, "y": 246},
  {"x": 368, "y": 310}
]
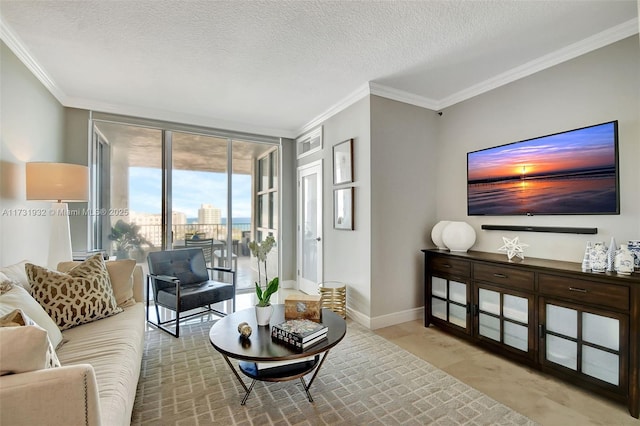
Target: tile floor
[{"x": 542, "y": 398}]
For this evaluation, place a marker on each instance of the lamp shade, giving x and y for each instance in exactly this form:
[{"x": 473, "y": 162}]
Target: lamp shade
[{"x": 57, "y": 182}]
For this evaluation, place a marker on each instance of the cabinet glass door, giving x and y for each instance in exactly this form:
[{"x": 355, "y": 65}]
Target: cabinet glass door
[
  {"x": 562, "y": 331},
  {"x": 504, "y": 318},
  {"x": 449, "y": 301},
  {"x": 601, "y": 337},
  {"x": 585, "y": 342}
]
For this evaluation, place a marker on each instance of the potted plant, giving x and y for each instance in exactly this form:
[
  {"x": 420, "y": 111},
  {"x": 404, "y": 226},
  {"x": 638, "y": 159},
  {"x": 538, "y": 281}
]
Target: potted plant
[
  {"x": 263, "y": 307},
  {"x": 126, "y": 237}
]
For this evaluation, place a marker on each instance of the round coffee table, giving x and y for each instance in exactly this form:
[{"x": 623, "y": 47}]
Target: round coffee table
[{"x": 259, "y": 348}]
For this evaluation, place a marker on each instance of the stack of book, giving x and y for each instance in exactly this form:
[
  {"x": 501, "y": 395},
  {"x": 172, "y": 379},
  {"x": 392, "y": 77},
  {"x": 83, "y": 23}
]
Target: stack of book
[
  {"x": 299, "y": 334},
  {"x": 267, "y": 365}
]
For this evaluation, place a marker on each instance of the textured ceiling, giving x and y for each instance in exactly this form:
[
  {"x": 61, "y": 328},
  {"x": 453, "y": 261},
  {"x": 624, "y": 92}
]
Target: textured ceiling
[{"x": 273, "y": 67}]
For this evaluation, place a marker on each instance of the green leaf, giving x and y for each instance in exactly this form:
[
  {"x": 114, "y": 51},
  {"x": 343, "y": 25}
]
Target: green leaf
[{"x": 258, "y": 292}]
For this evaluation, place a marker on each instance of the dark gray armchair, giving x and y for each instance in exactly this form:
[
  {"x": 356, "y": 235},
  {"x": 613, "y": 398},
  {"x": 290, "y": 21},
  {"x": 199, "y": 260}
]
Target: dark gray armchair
[{"x": 180, "y": 282}]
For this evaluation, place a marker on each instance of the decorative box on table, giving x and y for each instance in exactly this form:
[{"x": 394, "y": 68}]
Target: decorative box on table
[{"x": 302, "y": 306}]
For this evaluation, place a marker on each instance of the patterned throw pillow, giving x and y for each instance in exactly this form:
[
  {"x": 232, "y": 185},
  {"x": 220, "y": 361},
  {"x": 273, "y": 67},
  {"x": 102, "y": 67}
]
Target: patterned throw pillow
[
  {"x": 120, "y": 275},
  {"x": 24, "y": 346},
  {"x": 81, "y": 296}
]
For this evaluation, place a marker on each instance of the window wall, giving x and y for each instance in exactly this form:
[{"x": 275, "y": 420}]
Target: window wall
[{"x": 156, "y": 187}]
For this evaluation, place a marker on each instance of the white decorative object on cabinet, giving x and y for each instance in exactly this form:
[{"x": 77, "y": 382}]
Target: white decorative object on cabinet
[
  {"x": 436, "y": 234},
  {"x": 459, "y": 236}
]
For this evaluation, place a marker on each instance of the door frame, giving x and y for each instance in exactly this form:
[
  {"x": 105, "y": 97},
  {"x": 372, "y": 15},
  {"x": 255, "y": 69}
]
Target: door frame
[{"x": 300, "y": 172}]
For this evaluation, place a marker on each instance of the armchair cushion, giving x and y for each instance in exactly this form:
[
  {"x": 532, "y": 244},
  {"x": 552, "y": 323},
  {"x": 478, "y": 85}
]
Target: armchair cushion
[
  {"x": 187, "y": 265},
  {"x": 195, "y": 295}
]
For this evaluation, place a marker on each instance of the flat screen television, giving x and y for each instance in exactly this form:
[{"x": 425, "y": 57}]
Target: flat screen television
[{"x": 573, "y": 172}]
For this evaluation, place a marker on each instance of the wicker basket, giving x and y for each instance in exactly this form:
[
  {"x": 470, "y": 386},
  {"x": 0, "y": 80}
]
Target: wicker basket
[{"x": 334, "y": 296}]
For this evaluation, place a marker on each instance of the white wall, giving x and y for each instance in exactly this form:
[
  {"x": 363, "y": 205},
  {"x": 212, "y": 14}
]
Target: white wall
[
  {"x": 403, "y": 187},
  {"x": 600, "y": 86},
  {"x": 32, "y": 130}
]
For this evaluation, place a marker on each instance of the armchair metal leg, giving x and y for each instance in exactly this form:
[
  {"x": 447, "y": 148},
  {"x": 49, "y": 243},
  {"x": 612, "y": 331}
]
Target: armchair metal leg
[{"x": 159, "y": 323}]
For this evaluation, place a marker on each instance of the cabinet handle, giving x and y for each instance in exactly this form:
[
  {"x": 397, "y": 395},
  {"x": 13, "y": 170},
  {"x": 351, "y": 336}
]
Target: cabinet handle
[
  {"x": 579, "y": 290},
  {"x": 501, "y": 275},
  {"x": 446, "y": 265},
  {"x": 541, "y": 331}
]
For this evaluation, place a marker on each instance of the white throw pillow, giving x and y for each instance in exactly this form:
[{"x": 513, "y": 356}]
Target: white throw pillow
[
  {"x": 18, "y": 298},
  {"x": 17, "y": 274},
  {"x": 24, "y": 346}
]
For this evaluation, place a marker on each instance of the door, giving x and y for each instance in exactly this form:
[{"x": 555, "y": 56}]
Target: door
[{"x": 310, "y": 227}]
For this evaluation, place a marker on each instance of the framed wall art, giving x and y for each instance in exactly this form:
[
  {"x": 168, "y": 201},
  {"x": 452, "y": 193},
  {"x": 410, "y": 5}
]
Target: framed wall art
[
  {"x": 343, "y": 208},
  {"x": 343, "y": 162}
]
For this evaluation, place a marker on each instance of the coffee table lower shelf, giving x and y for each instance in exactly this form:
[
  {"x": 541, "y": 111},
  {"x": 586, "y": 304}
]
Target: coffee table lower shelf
[{"x": 281, "y": 373}]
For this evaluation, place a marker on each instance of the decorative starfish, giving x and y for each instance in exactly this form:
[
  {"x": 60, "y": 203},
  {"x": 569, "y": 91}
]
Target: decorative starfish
[{"x": 513, "y": 247}]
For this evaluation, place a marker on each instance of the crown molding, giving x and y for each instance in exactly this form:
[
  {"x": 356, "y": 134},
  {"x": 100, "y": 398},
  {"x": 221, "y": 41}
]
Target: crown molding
[
  {"x": 345, "y": 102},
  {"x": 403, "y": 96},
  {"x": 604, "y": 38},
  {"x": 178, "y": 117},
  {"x": 17, "y": 47}
]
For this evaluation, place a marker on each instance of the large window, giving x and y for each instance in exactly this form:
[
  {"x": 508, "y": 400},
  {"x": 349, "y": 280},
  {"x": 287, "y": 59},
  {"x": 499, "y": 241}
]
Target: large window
[{"x": 159, "y": 187}]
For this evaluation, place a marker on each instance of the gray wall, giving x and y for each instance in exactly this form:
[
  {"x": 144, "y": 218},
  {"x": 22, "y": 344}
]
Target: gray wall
[
  {"x": 288, "y": 211},
  {"x": 32, "y": 130},
  {"x": 347, "y": 254},
  {"x": 600, "y": 86},
  {"x": 403, "y": 187}
]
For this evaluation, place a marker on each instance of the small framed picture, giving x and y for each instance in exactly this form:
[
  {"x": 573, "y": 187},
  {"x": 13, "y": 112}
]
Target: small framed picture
[
  {"x": 343, "y": 208},
  {"x": 343, "y": 162}
]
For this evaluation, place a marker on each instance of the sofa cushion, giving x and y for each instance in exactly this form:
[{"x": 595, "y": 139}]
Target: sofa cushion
[
  {"x": 24, "y": 346},
  {"x": 81, "y": 296},
  {"x": 18, "y": 298},
  {"x": 114, "y": 347},
  {"x": 120, "y": 276}
]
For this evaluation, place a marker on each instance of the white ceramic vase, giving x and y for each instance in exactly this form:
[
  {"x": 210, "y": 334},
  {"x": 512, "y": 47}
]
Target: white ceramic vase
[
  {"x": 459, "y": 236},
  {"x": 263, "y": 314},
  {"x": 436, "y": 234},
  {"x": 624, "y": 261},
  {"x": 598, "y": 257}
]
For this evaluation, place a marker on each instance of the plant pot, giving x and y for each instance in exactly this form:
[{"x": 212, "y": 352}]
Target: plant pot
[{"x": 263, "y": 314}]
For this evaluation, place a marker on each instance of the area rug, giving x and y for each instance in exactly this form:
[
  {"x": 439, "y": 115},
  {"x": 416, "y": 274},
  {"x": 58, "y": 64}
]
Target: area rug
[{"x": 366, "y": 380}]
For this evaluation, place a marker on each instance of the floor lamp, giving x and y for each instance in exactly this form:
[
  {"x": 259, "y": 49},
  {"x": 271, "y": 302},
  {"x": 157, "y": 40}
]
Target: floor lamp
[{"x": 61, "y": 183}]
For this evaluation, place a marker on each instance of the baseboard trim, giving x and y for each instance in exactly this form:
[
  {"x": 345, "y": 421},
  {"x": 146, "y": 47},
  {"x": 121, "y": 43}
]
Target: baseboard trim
[{"x": 385, "y": 320}]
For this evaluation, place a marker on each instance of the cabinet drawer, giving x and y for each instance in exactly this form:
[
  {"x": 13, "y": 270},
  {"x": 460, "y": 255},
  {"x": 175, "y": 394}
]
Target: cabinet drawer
[
  {"x": 584, "y": 291},
  {"x": 504, "y": 275},
  {"x": 454, "y": 267}
]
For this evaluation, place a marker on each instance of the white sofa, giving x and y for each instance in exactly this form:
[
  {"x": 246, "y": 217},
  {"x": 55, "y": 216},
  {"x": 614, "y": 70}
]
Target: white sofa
[{"x": 96, "y": 383}]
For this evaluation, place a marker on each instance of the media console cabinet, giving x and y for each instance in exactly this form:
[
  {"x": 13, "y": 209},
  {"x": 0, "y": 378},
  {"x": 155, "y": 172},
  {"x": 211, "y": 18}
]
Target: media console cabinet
[{"x": 580, "y": 326}]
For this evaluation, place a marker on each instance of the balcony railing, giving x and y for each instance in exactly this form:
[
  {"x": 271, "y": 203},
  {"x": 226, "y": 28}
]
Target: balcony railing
[{"x": 240, "y": 234}]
